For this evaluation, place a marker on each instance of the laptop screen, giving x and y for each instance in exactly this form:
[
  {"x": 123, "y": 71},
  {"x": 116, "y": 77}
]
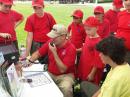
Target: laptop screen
[{"x": 9, "y": 52}]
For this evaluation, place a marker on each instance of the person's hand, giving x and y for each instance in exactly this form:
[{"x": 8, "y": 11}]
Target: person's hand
[
  {"x": 5, "y": 35},
  {"x": 26, "y": 63},
  {"x": 52, "y": 48},
  {"x": 18, "y": 67},
  {"x": 90, "y": 77},
  {"x": 23, "y": 57},
  {"x": 95, "y": 95},
  {"x": 19, "y": 70}
]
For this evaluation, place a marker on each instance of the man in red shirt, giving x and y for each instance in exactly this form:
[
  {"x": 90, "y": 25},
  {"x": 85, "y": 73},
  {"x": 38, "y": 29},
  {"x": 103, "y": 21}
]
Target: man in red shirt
[
  {"x": 112, "y": 15},
  {"x": 123, "y": 30},
  {"x": 38, "y": 25},
  {"x": 104, "y": 26},
  {"x": 9, "y": 20},
  {"x": 62, "y": 54},
  {"x": 77, "y": 32}
]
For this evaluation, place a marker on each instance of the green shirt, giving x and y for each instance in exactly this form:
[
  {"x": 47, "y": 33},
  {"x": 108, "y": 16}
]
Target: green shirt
[{"x": 117, "y": 83}]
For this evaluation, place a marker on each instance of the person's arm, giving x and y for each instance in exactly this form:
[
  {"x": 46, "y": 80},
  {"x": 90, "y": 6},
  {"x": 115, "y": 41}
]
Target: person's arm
[
  {"x": 19, "y": 22},
  {"x": 35, "y": 56},
  {"x": 29, "y": 43},
  {"x": 51, "y": 20},
  {"x": 69, "y": 31},
  {"x": 92, "y": 74},
  {"x": 18, "y": 18},
  {"x": 97, "y": 93},
  {"x": 5, "y": 35},
  {"x": 62, "y": 67}
]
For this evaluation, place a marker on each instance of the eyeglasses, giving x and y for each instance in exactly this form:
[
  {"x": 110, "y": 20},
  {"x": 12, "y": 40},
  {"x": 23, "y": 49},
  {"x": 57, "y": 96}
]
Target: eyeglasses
[{"x": 54, "y": 29}]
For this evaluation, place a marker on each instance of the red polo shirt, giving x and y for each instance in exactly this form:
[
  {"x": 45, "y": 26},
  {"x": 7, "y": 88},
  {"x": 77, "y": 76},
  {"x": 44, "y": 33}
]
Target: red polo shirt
[
  {"x": 112, "y": 16},
  {"x": 104, "y": 29},
  {"x": 67, "y": 54},
  {"x": 77, "y": 34},
  {"x": 89, "y": 59},
  {"x": 7, "y": 23},
  {"x": 40, "y": 26},
  {"x": 123, "y": 30}
]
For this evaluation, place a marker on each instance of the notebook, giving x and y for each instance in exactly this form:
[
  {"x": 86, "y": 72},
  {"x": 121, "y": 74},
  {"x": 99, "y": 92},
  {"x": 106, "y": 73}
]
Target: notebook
[{"x": 38, "y": 79}]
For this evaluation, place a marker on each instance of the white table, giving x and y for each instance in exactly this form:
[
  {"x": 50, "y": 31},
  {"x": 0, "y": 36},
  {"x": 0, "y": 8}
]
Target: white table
[{"x": 47, "y": 90}]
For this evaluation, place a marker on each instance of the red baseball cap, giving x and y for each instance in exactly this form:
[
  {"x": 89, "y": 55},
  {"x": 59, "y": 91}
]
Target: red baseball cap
[
  {"x": 78, "y": 13},
  {"x": 91, "y": 21},
  {"x": 7, "y": 2},
  {"x": 38, "y": 3},
  {"x": 118, "y": 3},
  {"x": 99, "y": 9}
]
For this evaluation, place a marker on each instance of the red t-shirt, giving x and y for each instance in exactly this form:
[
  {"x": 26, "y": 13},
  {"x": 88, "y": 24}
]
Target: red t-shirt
[
  {"x": 77, "y": 34},
  {"x": 89, "y": 59},
  {"x": 67, "y": 54},
  {"x": 104, "y": 29},
  {"x": 112, "y": 16},
  {"x": 7, "y": 23},
  {"x": 40, "y": 26},
  {"x": 123, "y": 30}
]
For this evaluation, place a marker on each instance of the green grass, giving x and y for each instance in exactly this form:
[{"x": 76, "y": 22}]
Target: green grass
[{"x": 61, "y": 14}]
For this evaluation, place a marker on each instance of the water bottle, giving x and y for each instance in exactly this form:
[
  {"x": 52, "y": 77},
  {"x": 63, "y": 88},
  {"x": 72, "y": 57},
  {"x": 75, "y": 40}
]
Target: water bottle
[{"x": 22, "y": 51}]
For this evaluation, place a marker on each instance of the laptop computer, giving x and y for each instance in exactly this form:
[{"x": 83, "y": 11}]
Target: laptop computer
[{"x": 9, "y": 52}]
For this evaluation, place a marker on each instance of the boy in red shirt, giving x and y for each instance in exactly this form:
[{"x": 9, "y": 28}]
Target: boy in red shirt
[
  {"x": 112, "y": 15},
  {"x": 104, "y": 25},
  {"x": 77, "y": 32},
  {"x": 38, "y": 25},
  {"x": 123, "y": 30},
  {"x": 90, "y": 66},
  {"x": 61, "y": 54},
  {"x": 9, "y": 20}
]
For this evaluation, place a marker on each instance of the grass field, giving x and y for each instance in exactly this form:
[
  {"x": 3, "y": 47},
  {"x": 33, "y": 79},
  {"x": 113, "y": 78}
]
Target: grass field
[{"x": 61, "y": 13}]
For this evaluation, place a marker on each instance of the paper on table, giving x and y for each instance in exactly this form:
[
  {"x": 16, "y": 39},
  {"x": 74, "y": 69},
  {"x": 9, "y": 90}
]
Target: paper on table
[{"x": 34, "y": 67}]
